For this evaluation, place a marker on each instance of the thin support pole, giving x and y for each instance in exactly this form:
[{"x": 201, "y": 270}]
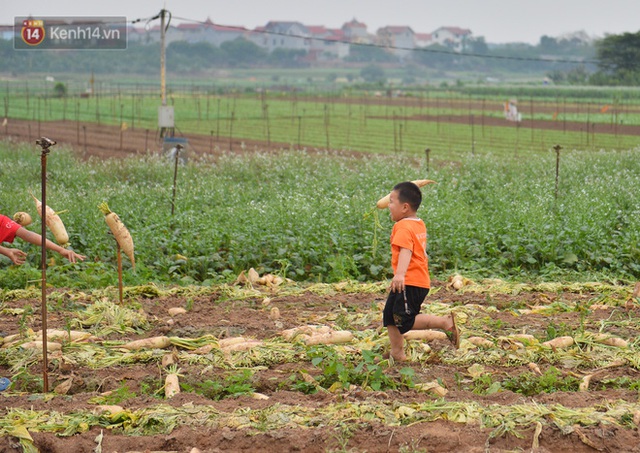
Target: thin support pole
[
  {"x": 557, "y": 149},
  {"x": 45, "y": 144},
  {"x": 175, "y": 177},
  {"x": 119, "y": 258},
  {"x": 427, "y": 152}
]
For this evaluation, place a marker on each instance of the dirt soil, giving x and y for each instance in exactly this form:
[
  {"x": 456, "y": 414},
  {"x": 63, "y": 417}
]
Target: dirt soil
[{"x": 250, "y": 318}]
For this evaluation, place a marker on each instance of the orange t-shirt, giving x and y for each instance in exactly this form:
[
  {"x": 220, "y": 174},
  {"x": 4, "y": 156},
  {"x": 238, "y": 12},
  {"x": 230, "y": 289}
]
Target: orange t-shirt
[{"x": 411, "y": 234}]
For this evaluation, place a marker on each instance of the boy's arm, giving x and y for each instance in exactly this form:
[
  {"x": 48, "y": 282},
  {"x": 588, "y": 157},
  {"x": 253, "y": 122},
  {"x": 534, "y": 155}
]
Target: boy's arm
[
  {"x": 36, "y": 239},
  {"x": 17, "y": 256},
  {"x": 397, "y": 283}
]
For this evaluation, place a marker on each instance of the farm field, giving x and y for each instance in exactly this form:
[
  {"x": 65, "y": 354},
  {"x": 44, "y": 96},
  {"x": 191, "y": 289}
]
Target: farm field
[
  {"x": 509, "y": 393},
  {"x": 450, "y": 124},
  {"x": 547, "y": 243}
]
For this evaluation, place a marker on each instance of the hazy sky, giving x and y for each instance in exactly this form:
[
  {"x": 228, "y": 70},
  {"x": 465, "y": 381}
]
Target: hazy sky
[{"x": 497, "y": 20}]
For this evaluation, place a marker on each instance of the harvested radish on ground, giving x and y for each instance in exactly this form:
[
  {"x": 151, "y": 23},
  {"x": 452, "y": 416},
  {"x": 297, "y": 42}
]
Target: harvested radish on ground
[
  {"x": 121, "y": 233},
  {"x": 112, "y": 408},
  {"x": 480, "y": 342},
  {"x": 312, "y": 335},
  {"x": 37, "y": 344},
  {"x": 425, "y": 335},
  {"x": 160, "y": 342},
  {"x": 54, "y": 223},
  {"x": 22, "y": 218},
  {"x": 559, "y": 342},
  {"x": 168, "y": 359},
  {"x": 457, "y": 281},
  {"x": 73, "y": 336},
  {"x": 384, "y": 201},
  {"x": 535, "y": 368},
  {"x": 334, "y": 337},
  {"x": 171, "y": 383},
  {"x": 584, "y": 384},
  {"x": 611, "y": 341},
  {"x": 238, "y": 344}
]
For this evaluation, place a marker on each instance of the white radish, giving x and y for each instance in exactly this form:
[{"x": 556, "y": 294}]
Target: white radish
[
  {"x": 54, "y": 223},
  {"x": 171, "y": 385},
  {"x": 160, "y": 342},
  {"x": 425, "y": 335},
  {"x": 384, "y": 201},
  {"x": 22, "y": 218},
  {"x": 121, "y": 233},
  {"x": 559, "y": 342}
]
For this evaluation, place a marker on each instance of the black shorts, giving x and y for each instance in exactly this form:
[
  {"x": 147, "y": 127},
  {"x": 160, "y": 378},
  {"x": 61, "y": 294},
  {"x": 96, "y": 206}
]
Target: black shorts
[{"x": 396, "y": 313}]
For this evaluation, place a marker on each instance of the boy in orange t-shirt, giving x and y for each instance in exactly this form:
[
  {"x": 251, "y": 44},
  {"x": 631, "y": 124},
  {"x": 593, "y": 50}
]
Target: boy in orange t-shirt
[{"x": 411, "y": 282}]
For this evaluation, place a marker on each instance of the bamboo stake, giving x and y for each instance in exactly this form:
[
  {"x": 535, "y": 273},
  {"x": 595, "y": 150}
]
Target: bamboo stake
[{"x": 119, "y": 258}]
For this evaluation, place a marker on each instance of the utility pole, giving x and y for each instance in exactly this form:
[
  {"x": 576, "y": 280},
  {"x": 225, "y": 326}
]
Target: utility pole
[
  {"x": 165, "y": 113},
  {"x": 163, "y": 81}
]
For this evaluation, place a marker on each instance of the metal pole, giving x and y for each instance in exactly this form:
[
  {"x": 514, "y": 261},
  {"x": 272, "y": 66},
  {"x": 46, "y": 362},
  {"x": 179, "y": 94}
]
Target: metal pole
[
  {"x": 44, "y": 143},
  {"x": 163, "y": 85},
  {"x": 175, "y": 177}
]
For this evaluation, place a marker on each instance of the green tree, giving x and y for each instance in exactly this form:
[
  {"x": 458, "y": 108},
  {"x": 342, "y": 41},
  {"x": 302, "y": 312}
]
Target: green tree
[
  {"x": 372, "y": 54},
  {"x": 618, "y": 54},
  {"x": 548, "y": 45},
  {"x": 59, "y": 90},
  {"x": 373, "y": 74},
  {"x": 477, "y": 45},
  {"x": 241, "y": 52},
  {"x": 287, "y": 58}
]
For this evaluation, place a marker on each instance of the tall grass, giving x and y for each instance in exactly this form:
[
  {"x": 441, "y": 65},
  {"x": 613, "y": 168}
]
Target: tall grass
[{"x": 311, "y": 216}]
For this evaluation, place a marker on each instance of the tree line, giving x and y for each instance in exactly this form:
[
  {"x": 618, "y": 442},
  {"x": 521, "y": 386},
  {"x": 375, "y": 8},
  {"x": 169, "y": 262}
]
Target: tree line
[{"x": 613, "y": 60}]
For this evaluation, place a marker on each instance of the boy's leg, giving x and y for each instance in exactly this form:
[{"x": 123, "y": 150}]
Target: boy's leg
[
  {"x": 397, "y": 343},
  {"x": 445, "y": 323},
  {"x": 424, "y": 321}
]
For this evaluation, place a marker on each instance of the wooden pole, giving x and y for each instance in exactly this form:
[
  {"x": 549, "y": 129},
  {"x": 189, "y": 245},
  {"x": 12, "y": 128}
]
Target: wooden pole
[
  {"x": 557, "y": 149},
  {"x": 119, "y": 258},
  {"x": 427, "y": 152}
]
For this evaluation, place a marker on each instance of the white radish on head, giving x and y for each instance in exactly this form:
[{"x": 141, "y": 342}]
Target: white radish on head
[
  {"x": 121, "y": 233},
  {"x": 384, "y": 201}
]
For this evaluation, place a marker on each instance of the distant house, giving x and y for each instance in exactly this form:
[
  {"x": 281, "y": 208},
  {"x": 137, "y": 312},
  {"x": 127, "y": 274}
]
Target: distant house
[
  {"x": 209, "y": 32},
  {"x": 453, "y": 37},
  {"x": 137, "y": 35},
  {"x": 171, "y": 35},
  {"x": 327, "y": 43},
  {"x": 282, "y": 35},
  {"x": 400, "y": 39},
  {"x": 423, "y": 39},
  {"x": 355, "y": 31}
]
